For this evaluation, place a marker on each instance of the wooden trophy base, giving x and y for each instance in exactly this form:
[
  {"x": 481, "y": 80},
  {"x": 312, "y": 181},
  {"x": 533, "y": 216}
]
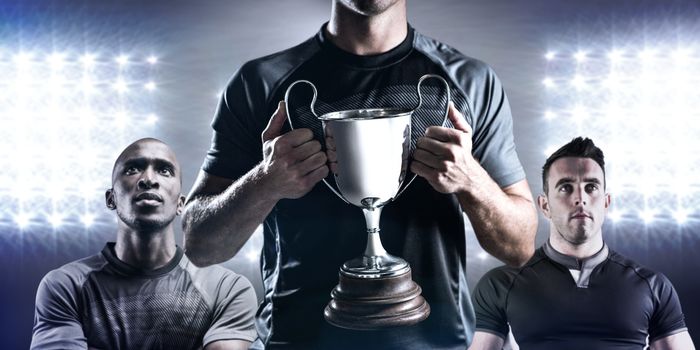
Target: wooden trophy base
[{"x": 376, "y": 303}]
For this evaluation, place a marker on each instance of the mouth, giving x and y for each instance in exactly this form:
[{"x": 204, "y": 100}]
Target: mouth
[
  {"x": 580, "y": 216},
  {"x": 148, "y": 198}
]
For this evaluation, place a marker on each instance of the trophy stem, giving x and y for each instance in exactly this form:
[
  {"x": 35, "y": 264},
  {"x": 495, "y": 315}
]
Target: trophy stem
[{"x": 374, "y": 241}]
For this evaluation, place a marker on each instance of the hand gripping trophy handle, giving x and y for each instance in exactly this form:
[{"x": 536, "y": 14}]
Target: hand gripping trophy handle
[{"x": 401, "y": 186}]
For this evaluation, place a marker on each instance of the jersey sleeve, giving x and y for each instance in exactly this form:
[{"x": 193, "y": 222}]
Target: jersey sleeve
[
  {"x": 236, "y": 145},
  {"x": 234, "y": 311},
  {"x": 492, "y": 124},
  {"x": 489, "y": 300},
  {"x": 57, "y": 318},
  {"x": 667, "y": 317}
]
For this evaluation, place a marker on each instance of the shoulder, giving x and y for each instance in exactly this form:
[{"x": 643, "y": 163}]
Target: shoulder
[
  {"x": 216, "y": 281},
  {"x": 74, "y": 273},
  {"x": 265, "y": 71},
  {"x": 458, "y": 65},
  {"x": 654, "y": 279}
]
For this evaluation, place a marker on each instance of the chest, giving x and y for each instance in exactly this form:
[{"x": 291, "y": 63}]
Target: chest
[{"x": 547, "y": 304}]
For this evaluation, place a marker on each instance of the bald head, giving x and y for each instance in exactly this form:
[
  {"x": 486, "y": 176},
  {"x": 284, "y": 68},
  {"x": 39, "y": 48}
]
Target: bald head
[{"x": 147, "y": 146}]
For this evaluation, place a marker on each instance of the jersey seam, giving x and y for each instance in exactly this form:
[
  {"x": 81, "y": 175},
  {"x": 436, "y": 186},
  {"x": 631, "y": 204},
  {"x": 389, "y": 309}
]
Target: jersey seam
[{"x": 444, "y": 69}]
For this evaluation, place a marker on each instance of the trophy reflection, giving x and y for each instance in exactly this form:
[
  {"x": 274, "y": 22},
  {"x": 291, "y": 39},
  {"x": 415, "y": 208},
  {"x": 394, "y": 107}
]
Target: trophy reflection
[{"x": 368, "y": 152}]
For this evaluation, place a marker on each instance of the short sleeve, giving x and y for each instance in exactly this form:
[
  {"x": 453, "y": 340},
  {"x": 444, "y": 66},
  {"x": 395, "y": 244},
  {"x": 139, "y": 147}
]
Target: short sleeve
[
  {"x": 492, "y": 124},
  {"x": 667, "y": 317},
  {"x": 236, "y": 146},
  {"x": 56, "y": 319},
  {"x": 489, "y": 300},
  {"x": 234, "y": 311}
]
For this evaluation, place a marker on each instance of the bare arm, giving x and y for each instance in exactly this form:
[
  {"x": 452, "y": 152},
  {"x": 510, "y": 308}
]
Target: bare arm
[
  {"x": 221, "y": 214},
  {"x": 678, "y": 341},
  {"x": 235, "y": 344},
  {"x": 486, "y": 341},
  {"x": 504, "y": 220}
]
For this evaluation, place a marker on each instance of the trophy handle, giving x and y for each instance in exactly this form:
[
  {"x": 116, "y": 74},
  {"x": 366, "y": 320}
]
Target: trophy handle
[
  {"x": 313, "y": 111},
  {"x": 420, "y": 102}
]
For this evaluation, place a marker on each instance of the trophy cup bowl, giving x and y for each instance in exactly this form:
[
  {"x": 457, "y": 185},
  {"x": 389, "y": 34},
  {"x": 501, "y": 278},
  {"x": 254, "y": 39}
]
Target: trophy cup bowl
[{"x": 368, "y": 153}]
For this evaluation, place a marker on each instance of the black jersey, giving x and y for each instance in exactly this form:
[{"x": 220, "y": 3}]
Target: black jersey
[
  {"x": 558, "y": 302},
  {"x": 306, "y": 240},
  {"x": 101, "y": 302}
]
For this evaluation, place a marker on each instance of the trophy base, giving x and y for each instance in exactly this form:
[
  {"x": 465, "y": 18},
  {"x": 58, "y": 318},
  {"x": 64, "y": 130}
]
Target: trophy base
[{"x": 376, "y": 302}]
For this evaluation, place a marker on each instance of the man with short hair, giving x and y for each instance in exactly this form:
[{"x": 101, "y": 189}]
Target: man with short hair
[
  {"x": 575, "y": 292},
  {"x": 142, "y": 292},
  {"x": 258, "y": 171}
]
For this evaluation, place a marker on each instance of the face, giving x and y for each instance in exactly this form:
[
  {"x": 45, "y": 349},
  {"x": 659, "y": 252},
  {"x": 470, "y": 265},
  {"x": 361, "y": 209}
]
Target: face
[
  {"x": 576, "y": 202},
  {"x": 146, "y": 186},
  {"x": 369, "y": 7}
]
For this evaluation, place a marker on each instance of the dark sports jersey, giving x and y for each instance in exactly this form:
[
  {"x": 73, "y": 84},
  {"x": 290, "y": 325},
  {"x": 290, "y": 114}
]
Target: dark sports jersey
[
  {"x": 101, "y": 302},
  {"x": 306, "y": 240},
  {"x": 559, "y": 302}
]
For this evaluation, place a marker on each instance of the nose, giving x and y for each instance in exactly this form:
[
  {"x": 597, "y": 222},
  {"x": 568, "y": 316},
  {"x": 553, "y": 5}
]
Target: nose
[
  {"x": 148, "y": 180},
  {"x": 580, "y": 196}
]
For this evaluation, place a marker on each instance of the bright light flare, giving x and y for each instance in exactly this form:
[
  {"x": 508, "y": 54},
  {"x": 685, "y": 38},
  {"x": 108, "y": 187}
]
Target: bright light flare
[
  {"x": 580, "y": 56},
  {"x": 152, "y": 59}
]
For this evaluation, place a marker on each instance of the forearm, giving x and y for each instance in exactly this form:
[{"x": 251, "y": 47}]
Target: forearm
[
  {"x": 216, "y": 226},
  {"x": 505, "y": 223}
]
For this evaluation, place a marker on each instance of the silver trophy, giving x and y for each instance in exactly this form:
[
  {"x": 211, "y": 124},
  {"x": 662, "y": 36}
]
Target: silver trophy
[{"x": 368, "y": 152}]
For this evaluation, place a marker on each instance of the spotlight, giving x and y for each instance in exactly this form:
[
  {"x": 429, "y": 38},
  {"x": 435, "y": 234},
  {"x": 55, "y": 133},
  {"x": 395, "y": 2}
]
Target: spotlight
[
  {"x": 152, "y": 59},
  {"x": 151, "y": 119},
  {"x": 150, "y": 86},
  {"x": 681, "y": 216},
  {"x": 120, "y": 86},
  {"x": 647, "y": 215},
  {"x": 615, "y": 215},
  {"x": 483, "y": 255},
  {"x": 252, "y": 255},
  {"x": 548, "y": 82},
  {"x": 87, "y": 219},
  {"x": 549, "y": 115},
  {"x": 56, "y": 60},
  {"x": 55, "y": 219},
  {"x": 550, "y": 55},
  {"x": 23, "y": 219},
  {"x": 88, "y": 59},
  {"x": 578, "y": 81},
  {"x": 122, "y": 60},
  {"x": 580, "y": 56},
  {"x": 615, "y": 55}
]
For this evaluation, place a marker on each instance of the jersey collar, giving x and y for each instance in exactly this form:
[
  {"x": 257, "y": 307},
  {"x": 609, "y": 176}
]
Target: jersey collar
[
  {"x": 109, "y": 253},
  {"x": 370, "y": 61}
]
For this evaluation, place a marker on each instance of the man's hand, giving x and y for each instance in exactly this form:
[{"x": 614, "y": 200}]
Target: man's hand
[
  {"x": 444, "y": 156},
  {"x": 292, "y": 163}
]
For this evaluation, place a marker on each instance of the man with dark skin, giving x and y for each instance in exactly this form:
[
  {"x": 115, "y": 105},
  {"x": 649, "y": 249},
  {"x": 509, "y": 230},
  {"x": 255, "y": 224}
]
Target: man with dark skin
[
  {"x": 249, "y": 179},
  {"x": 142, "y": 292}
]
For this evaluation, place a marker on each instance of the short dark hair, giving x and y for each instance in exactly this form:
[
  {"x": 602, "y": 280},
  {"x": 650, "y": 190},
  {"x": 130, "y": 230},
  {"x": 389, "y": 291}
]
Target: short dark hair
[{"x": 579, "y": 147}]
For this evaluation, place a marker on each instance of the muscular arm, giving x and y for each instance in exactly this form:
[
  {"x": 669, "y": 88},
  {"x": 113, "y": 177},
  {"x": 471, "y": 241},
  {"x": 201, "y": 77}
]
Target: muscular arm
[
  {"x": 504, "y": 219},
  {"x": 678, "y": 341},
  {"x": 221, "y": 214},
  {"x": 486, "y": 341},
  {"x": 228, "y": 345}
]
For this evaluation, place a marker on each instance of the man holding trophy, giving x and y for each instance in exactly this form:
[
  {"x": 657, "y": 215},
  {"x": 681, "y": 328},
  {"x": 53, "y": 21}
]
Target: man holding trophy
[{"x": 366, "y": 124}]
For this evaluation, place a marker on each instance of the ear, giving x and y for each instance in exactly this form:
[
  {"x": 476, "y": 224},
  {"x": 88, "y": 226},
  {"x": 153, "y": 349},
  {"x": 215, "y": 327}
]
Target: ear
[
  {"x": 607, "y": 201},
  {"x": 109, "y": 199},
  {"x": 543, "y": 203},
  {"x": 180, "y": 205}
]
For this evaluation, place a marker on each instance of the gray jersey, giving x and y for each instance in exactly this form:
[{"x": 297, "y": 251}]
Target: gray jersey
[{"x": 102, "y": 302}]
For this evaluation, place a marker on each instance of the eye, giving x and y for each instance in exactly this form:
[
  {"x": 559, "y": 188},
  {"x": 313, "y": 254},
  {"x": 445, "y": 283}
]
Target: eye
[
  {"x": 167, "y": 171},
  {"x": 131, "y": 170},
  {"x": 591, "y": 187},
  {"x": 566, "y": 188}
]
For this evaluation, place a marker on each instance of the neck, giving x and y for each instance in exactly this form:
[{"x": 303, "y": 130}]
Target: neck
[
  {"x": 145, "y": 250},
  {"x": 579, "y": 251},
  {"x": 367, "y": 35}
]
